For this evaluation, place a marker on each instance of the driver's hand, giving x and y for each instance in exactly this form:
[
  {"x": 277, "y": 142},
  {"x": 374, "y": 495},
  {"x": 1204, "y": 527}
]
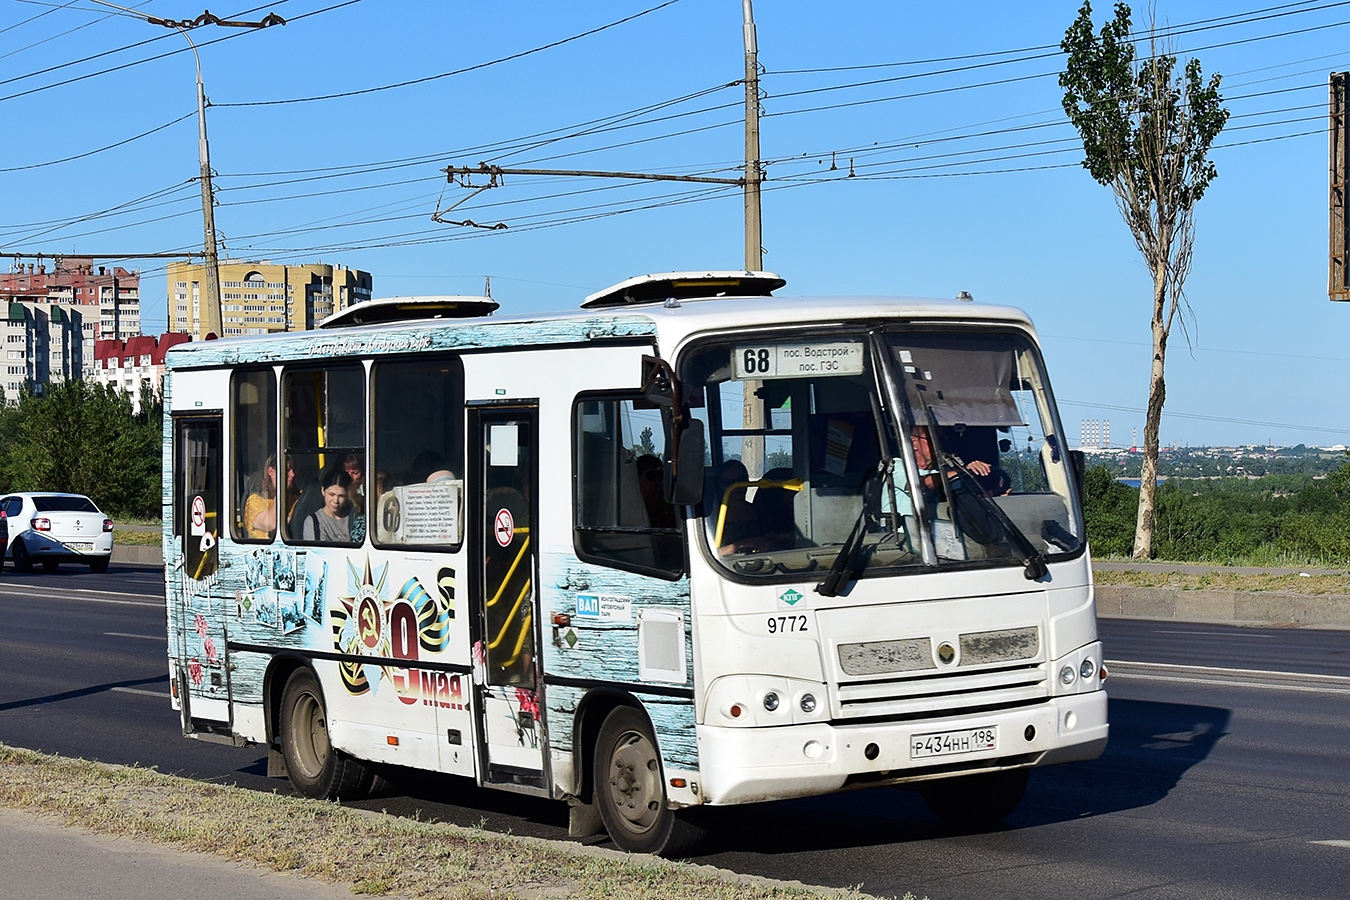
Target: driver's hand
[{"x": 979, "y": 467}]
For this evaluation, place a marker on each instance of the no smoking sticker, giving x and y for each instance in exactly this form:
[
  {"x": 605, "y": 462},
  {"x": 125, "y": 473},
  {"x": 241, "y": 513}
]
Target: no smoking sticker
[
  {"x": 504, "y": 527},
  {"x": 198, "y": 516}
]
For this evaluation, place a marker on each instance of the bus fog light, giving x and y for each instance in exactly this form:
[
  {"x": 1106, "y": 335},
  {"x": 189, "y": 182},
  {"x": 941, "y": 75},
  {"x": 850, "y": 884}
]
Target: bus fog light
[
  {"x": 771, "y": 701},
  {"x": 813, "y": 750},
  {"x": 808, "y": 703},
  {"x": 1067, "y": 675},
  {"x": 1087, "y": 669},
  {"x": 1070, "y": 720}
]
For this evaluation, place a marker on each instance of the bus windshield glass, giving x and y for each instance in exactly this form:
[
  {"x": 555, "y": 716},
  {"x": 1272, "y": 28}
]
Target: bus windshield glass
[{"x": 890, "y": 451}]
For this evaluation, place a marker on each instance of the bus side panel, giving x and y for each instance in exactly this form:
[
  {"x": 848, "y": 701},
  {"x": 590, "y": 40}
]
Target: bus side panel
[{"x": 601, "y": 645}]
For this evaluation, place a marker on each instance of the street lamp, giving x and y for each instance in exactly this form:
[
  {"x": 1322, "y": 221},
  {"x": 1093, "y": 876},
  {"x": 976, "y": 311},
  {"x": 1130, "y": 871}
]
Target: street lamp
[{"x": 213, "y": 320}]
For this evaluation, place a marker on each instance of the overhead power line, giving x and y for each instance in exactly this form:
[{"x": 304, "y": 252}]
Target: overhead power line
[{"x": 477, "y": 66}]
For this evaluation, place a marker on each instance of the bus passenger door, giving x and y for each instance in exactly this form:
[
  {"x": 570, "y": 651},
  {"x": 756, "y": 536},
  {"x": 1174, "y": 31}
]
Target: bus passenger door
[
  {"x": 505, "y": 548},
  {"x": 200, "y": 647}
]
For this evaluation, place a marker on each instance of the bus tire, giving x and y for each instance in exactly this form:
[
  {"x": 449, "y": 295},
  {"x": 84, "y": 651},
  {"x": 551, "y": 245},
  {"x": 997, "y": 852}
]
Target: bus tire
[
  {"x": 976, "y": 801},
  {"x": 630, "y": 789},
  {"x": 315, "y": 768}
]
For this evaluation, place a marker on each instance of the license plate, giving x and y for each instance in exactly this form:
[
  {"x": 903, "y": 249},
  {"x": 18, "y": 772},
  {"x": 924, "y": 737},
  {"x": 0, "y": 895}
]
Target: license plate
[
  {"x": 952, "y": 743},
  {"x": 80, "y": 545}
]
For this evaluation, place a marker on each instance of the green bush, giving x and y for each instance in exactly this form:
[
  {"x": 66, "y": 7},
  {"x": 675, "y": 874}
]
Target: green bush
[{"x": 85, "y": 439}]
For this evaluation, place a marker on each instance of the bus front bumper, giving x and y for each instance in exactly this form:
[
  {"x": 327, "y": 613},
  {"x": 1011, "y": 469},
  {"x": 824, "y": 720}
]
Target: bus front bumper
[{"x": 749, "y": 765}]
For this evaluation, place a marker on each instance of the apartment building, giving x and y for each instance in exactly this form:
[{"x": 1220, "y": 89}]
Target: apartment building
[
  {"x": 44, "y": 344},
  {"x": 107, "y": 299},
  {"x": 134, "y": 364},
  {"x": 262, "y": 297}
]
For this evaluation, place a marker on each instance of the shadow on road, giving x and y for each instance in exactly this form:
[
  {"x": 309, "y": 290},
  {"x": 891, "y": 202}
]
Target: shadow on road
[
  {"x": 1152, "y": 746},
  {"x": 85, "y": 692}
]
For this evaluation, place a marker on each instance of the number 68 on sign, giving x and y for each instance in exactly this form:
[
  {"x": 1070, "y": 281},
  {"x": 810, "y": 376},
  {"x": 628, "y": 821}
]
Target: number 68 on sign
[{"x": 796, "y": 360}]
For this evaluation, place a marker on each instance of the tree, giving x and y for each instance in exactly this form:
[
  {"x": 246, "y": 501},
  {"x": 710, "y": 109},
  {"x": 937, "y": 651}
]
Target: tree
[
  {"x": 85, "y": 439},
  {"x": 1146, "y": 134}
]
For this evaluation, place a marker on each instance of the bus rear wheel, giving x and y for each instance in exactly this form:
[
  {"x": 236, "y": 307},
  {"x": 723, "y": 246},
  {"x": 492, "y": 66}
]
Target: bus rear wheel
[
  {"x": 630, "y": 791},
  {"x": 315, "y": 767},
  {"x": 976, "y": 801}
]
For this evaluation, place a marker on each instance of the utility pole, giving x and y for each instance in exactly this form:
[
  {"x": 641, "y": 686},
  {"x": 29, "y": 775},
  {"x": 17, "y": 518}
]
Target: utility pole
[
  {"x": 213, "y": 320},
  {"x": 754, "y": 244},
  {"x": 754, "y": 253}
]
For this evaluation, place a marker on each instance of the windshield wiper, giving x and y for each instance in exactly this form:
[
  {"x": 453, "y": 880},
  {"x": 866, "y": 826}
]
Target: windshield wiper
[
  {"x": 1023, "y": 549},
  {"x": 845, "y": 563}
]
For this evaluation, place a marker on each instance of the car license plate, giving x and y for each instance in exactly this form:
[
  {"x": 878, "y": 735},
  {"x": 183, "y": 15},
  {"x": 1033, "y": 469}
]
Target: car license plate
[
  {"x": 951, "y": 743},
  {"x": 80, "y": 545}
]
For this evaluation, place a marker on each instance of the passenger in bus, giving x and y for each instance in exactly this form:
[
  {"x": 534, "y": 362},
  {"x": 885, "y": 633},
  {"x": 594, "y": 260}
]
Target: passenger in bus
[
  {"x": 651, "y": 475},
  {"x": 260, "y": 509},
  {"x": 354, "y": 464},
  {"x": 330, "y": 522}
]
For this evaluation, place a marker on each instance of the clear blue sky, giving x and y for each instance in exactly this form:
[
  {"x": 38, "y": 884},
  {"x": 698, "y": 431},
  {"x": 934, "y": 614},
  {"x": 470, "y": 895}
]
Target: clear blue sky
[{"x": 966, "y": 173}]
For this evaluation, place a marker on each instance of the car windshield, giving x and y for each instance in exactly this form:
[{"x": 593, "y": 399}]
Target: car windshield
[
  {"x": 885, "y": 451},
  {"x": 64, "y": 504}
]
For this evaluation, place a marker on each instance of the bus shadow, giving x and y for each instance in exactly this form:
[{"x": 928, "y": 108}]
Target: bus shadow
[{"x": 1152, "y": 746}]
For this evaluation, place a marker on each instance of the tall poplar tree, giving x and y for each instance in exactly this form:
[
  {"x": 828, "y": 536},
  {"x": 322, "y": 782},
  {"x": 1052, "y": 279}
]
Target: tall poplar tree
[{"x": 1146, "y": 131}]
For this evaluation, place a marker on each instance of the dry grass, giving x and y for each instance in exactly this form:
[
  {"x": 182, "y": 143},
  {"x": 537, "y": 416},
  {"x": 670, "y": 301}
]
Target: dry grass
[
  {"x": 373, "y": 853},
  {"x": 127, "y": 538},
  {"x": 1227, "y": 581}
]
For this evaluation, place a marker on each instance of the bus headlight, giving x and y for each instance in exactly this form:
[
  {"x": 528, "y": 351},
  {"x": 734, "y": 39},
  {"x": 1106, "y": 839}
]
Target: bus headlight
[
  {"x": 808, "y": 703},
  {"x": 1067, "y": 676},
  {"x": 771, "y": 701},
  {"x": 1087, "y": 669}
]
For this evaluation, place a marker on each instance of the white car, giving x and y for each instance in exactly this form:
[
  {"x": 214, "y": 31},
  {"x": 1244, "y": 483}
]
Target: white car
[{"x": 53, "y": 528}]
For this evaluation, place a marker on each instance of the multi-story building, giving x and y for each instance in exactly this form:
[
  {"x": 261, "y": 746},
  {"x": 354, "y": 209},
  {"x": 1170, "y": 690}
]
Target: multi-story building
[
  {"x": 134, "y": 364},
  {"x": 107, "y": 299},
  {"x": 44, "y": 344},
  {"x": 261, "y": 297}
]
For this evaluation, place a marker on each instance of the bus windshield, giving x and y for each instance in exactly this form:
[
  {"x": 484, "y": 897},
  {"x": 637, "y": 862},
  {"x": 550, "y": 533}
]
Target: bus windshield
[{"x": 881, "y": 451}]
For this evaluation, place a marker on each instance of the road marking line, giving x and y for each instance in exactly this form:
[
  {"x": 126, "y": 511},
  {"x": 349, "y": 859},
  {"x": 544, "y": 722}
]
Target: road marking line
[
  {"x": 28, "y": 595},
  {"x": 1345, "y": 844},
  {"x": 143, "y": 637},
  {"x": 1221, "y": 683},
  {"x": 1264, "y": 637},
  {"x": 1341, "y": 679},
  {"x": 162, "y": 695}
]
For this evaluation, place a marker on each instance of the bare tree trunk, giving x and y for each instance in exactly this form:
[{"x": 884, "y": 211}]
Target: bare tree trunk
[{"x": 1157, "y": 394}]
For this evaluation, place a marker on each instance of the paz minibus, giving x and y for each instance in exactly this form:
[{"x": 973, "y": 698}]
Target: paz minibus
[{"x": 691, "y": 545}]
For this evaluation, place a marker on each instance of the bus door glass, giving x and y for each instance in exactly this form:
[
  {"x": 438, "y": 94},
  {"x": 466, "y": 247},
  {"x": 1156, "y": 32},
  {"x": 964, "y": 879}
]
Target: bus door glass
[
  {"x": 506, "y": 592},
  {"x": 203, "y": 673}
]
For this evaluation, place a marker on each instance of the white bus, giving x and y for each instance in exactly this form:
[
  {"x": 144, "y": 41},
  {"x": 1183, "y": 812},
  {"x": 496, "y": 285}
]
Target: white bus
[{"x": 693, "y": 545}]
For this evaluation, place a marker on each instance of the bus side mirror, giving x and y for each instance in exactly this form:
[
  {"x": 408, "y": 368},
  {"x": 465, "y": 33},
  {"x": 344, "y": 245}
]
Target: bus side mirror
[
  {"x": 1078, "y": 465},
  {"x": 658, "y": 382},
  {"x": 684, "y": 473}
]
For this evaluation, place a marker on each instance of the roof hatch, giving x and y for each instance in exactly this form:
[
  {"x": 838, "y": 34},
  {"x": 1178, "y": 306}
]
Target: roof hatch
[
  {"x": 685, "y": 286},
  {"x": 409, "y": 309}
]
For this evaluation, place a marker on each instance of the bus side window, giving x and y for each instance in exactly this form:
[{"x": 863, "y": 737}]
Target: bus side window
[
  {"x": 416, "y": 481},
  {"x": 323, "y": 413},
  {"x": 621, "y": 517},
  {"x": 253, "y": 447}
]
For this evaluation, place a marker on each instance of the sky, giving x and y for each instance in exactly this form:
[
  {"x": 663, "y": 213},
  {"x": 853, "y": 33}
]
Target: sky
[{"x": 912, "y": 149}]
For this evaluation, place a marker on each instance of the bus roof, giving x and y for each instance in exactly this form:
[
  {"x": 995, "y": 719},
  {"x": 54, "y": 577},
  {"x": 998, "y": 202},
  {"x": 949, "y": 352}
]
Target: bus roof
[{"x": 667, "y": 323}]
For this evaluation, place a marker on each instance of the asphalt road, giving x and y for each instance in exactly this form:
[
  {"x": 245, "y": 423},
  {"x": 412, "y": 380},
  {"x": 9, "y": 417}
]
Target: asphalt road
[{"x": 1226, "y": 775}]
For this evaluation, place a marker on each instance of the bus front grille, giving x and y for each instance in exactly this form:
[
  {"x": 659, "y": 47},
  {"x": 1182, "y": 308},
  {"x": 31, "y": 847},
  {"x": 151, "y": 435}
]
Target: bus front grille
[{"x": 931, "y": 696}]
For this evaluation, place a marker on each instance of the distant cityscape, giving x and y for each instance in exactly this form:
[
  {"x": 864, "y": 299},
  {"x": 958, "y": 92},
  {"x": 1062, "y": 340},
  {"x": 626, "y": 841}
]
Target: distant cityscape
[{"x": 1237, "y": 461}]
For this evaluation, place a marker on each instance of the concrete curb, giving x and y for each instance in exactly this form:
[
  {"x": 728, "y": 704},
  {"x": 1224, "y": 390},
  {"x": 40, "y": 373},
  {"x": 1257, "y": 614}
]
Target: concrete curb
[
  {"x": 1256, "y": 607},
  {"x": 136, "y": 554},
  {"x": 1263, "y": 607}
]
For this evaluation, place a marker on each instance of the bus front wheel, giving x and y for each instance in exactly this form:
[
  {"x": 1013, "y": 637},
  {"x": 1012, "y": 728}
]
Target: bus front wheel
[
  {"x": 630, "y": 792},
  {"x": 976, "y": 801},
  {"x": 315, "y": 767}
]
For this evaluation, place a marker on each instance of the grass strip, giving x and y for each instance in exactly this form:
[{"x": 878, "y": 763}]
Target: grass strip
[
  {"x": 373, "y": 853},
  {"x": 1227, "y": 581}
]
